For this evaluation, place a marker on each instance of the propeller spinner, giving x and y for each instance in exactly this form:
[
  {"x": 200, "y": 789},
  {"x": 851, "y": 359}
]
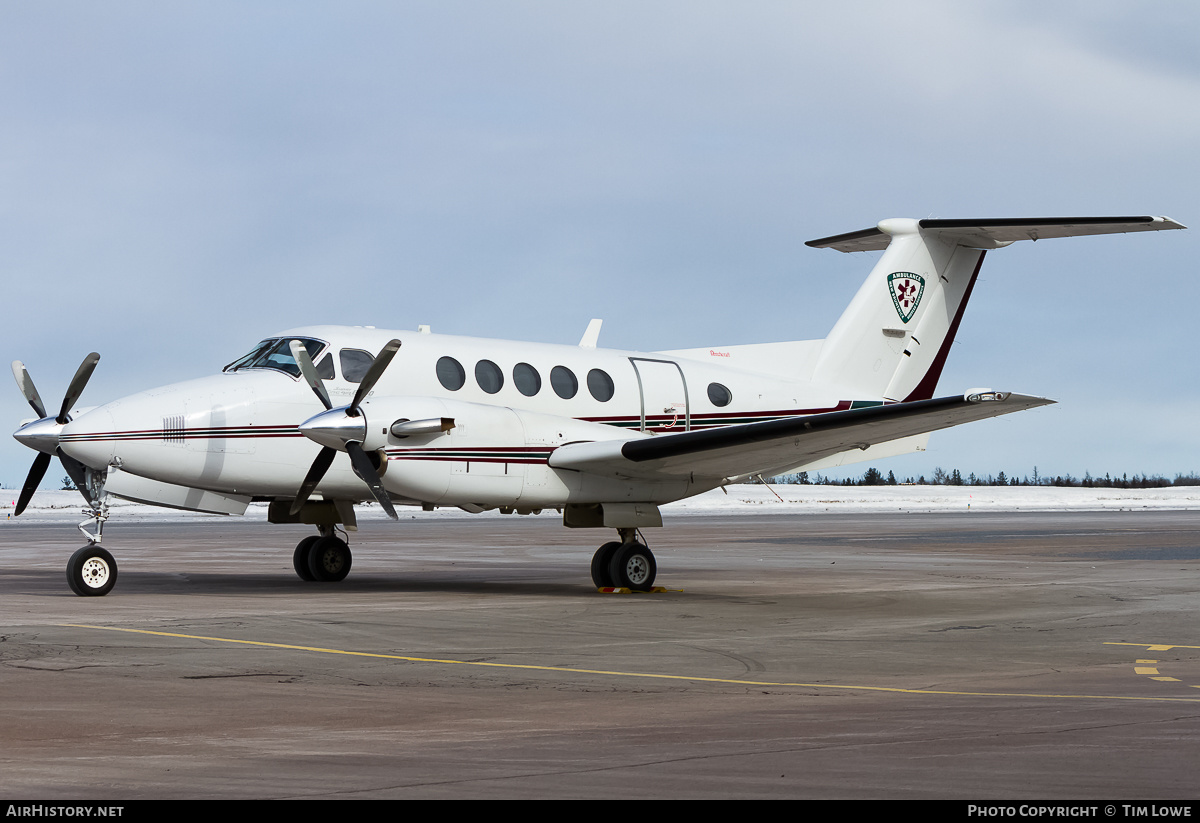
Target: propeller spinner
[{"x": 341, "y": 429}]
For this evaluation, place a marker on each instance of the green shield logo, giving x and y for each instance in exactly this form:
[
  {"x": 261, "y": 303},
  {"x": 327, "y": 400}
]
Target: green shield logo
[{"x": 906, "y": 289}]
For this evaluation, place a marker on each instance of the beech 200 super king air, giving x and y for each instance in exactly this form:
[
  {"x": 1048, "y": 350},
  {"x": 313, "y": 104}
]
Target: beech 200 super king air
[{"x": 317, "y": 419}]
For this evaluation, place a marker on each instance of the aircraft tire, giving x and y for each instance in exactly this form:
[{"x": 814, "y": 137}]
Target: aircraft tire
[
  {"x": 601, "y": 561},
  {"x": 91, "y": 572},
  {"x": 633, "y": 567},
  {"x": 300, "y": 558},
  {"x": 329, "y": 559}
]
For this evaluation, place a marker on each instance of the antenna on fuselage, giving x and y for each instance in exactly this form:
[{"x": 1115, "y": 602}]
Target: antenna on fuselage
[{"x": 588, "y": 341}]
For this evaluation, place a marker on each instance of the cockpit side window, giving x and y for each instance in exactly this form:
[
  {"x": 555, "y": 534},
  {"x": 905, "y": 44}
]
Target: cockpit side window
[
  {"x": 355, "y": 363},
  {"x": 325, "y": 367},
  {"x": 276, "y": 354}
]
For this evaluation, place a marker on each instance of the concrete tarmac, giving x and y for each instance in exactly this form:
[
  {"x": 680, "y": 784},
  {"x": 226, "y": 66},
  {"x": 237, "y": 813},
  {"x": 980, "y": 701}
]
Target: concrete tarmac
[{"x": 976, "y": 657}]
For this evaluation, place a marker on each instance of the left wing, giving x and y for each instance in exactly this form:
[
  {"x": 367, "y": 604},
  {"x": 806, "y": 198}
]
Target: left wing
[{"x": 777, "y": 445}]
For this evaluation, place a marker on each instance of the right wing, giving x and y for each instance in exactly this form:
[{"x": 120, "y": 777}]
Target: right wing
[{"x": 777, "y": 445}]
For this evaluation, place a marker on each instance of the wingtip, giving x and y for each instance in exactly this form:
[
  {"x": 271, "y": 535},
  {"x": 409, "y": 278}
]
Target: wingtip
[{"x": 993, "y": 396}]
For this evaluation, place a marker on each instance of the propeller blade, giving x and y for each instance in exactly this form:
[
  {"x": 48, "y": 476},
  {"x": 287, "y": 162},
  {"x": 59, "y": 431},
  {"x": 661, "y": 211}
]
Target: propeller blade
[
  {"x": 25, "y": 384},
  {"x": 78, "y": 474},
  {"x": 82, "y": 375},
  {"x": 319, "y": 467},
  {"x": 374, "y": 373},
  {"x": 36, "y": 472},
  {"x": 364, "y": 469},
  {"x": 309, "y": 372}
]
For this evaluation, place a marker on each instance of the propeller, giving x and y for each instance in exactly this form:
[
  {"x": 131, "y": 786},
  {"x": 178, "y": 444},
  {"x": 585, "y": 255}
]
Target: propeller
[
  {"x": 36, "y": 472},
  {"x": 25, "y": 384},
  {"x": 42, "y": 434},
  {"x": 342, "y": 428}
]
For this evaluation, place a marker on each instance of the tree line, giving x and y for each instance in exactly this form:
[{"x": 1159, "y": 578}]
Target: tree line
[
  {"x": 873, "y": 477},
  {"x": 940, "y": 477}
]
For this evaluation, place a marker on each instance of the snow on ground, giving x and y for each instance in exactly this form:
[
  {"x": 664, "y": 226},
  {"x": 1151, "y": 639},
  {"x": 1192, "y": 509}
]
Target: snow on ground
[
  {"x": 757, "y": 499},
  {"x": 67, "y": 506}
]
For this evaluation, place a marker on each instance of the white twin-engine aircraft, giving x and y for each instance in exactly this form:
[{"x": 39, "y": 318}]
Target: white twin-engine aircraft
[{"x": 605, "y": 436}]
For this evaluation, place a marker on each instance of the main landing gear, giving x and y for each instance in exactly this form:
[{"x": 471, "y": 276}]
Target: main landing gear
[
  {"x": 625, "y": 564},
  {"x": 323, "y": 557}
]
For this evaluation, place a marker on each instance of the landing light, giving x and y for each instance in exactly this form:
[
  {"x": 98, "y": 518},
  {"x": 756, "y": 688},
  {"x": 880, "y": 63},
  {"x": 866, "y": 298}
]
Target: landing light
[{"x": 982, "y": 395}]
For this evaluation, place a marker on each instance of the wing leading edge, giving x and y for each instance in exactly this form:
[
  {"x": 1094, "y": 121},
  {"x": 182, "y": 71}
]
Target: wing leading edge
[{"x": 779, "y": 445}]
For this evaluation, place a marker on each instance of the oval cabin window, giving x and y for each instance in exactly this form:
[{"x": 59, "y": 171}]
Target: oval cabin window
[
  {"x": 488, "y": 376},
  {"x": 527, "y": 379},
  {"x": 450, "y": 374},
  {"x": 718, "y": 395},
  {"x": 564, "y": 382},
  {"x": 600, "y": 385}
]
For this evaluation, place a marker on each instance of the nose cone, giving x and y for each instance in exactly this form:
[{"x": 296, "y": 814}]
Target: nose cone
[
  {"x": 40, "y": 435},
  {"x": 90, "y": 438},
  {"x": 171, "y": 433}
]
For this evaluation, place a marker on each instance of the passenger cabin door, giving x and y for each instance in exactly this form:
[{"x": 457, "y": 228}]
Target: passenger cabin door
[{"x": 664, "y": 395}]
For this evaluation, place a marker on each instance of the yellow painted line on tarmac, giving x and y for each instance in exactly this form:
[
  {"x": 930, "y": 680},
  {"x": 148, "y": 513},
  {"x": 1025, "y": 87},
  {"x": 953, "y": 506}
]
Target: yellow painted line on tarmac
[
  {"x": 1152, "y": 647},
  {"x": 1149, "y": 667},
  {"x": 642, "y": 675}
]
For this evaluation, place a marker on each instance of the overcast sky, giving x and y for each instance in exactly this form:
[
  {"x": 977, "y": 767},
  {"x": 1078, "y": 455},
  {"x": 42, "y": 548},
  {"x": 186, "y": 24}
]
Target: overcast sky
[{"x": 179, "y": 180}]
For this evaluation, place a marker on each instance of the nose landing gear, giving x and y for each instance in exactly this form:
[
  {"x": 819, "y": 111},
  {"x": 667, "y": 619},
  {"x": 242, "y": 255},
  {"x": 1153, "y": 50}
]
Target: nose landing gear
[{"x": 92, "y": 571}]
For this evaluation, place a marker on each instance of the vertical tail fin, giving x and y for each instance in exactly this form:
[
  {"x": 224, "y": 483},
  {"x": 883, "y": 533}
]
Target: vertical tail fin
[{"x": 893, "y": 339}]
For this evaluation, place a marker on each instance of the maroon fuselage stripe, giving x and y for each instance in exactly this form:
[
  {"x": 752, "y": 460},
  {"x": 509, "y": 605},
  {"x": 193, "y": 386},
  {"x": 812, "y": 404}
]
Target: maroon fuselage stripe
[
  {"x": 654, "y": 423},
  {"x": 228, "y": 433}
]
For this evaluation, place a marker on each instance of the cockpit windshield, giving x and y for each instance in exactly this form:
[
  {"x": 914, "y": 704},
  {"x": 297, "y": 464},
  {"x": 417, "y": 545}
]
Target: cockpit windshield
[{"x": 276, "y": 353}]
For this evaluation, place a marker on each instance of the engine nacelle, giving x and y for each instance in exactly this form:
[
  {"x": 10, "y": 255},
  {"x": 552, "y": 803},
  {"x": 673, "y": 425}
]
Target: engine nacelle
[{"x": 453, "y": 453}]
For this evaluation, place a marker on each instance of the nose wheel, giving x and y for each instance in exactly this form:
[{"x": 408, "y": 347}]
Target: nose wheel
[{"x": 91, "y": 571}]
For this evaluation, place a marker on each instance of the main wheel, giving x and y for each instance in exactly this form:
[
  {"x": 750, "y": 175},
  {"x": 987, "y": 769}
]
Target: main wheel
[
  {"x": 300, "y": 557},
  {"x": 633, "y": 567},
  {"x": 329, "y": 559},
  {"x": 91, "y": 572},
  {"x": 601, "y": 560}
]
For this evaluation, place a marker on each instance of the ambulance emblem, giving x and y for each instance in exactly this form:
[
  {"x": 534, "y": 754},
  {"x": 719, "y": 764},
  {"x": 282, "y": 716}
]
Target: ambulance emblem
[{"x": 906, "y": 289}]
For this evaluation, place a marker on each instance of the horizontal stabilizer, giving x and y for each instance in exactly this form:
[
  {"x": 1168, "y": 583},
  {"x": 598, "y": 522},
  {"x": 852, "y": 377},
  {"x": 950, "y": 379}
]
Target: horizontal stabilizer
[
  {"x": 996, "y": 232},
  {"x": 754, "y": 448}
]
